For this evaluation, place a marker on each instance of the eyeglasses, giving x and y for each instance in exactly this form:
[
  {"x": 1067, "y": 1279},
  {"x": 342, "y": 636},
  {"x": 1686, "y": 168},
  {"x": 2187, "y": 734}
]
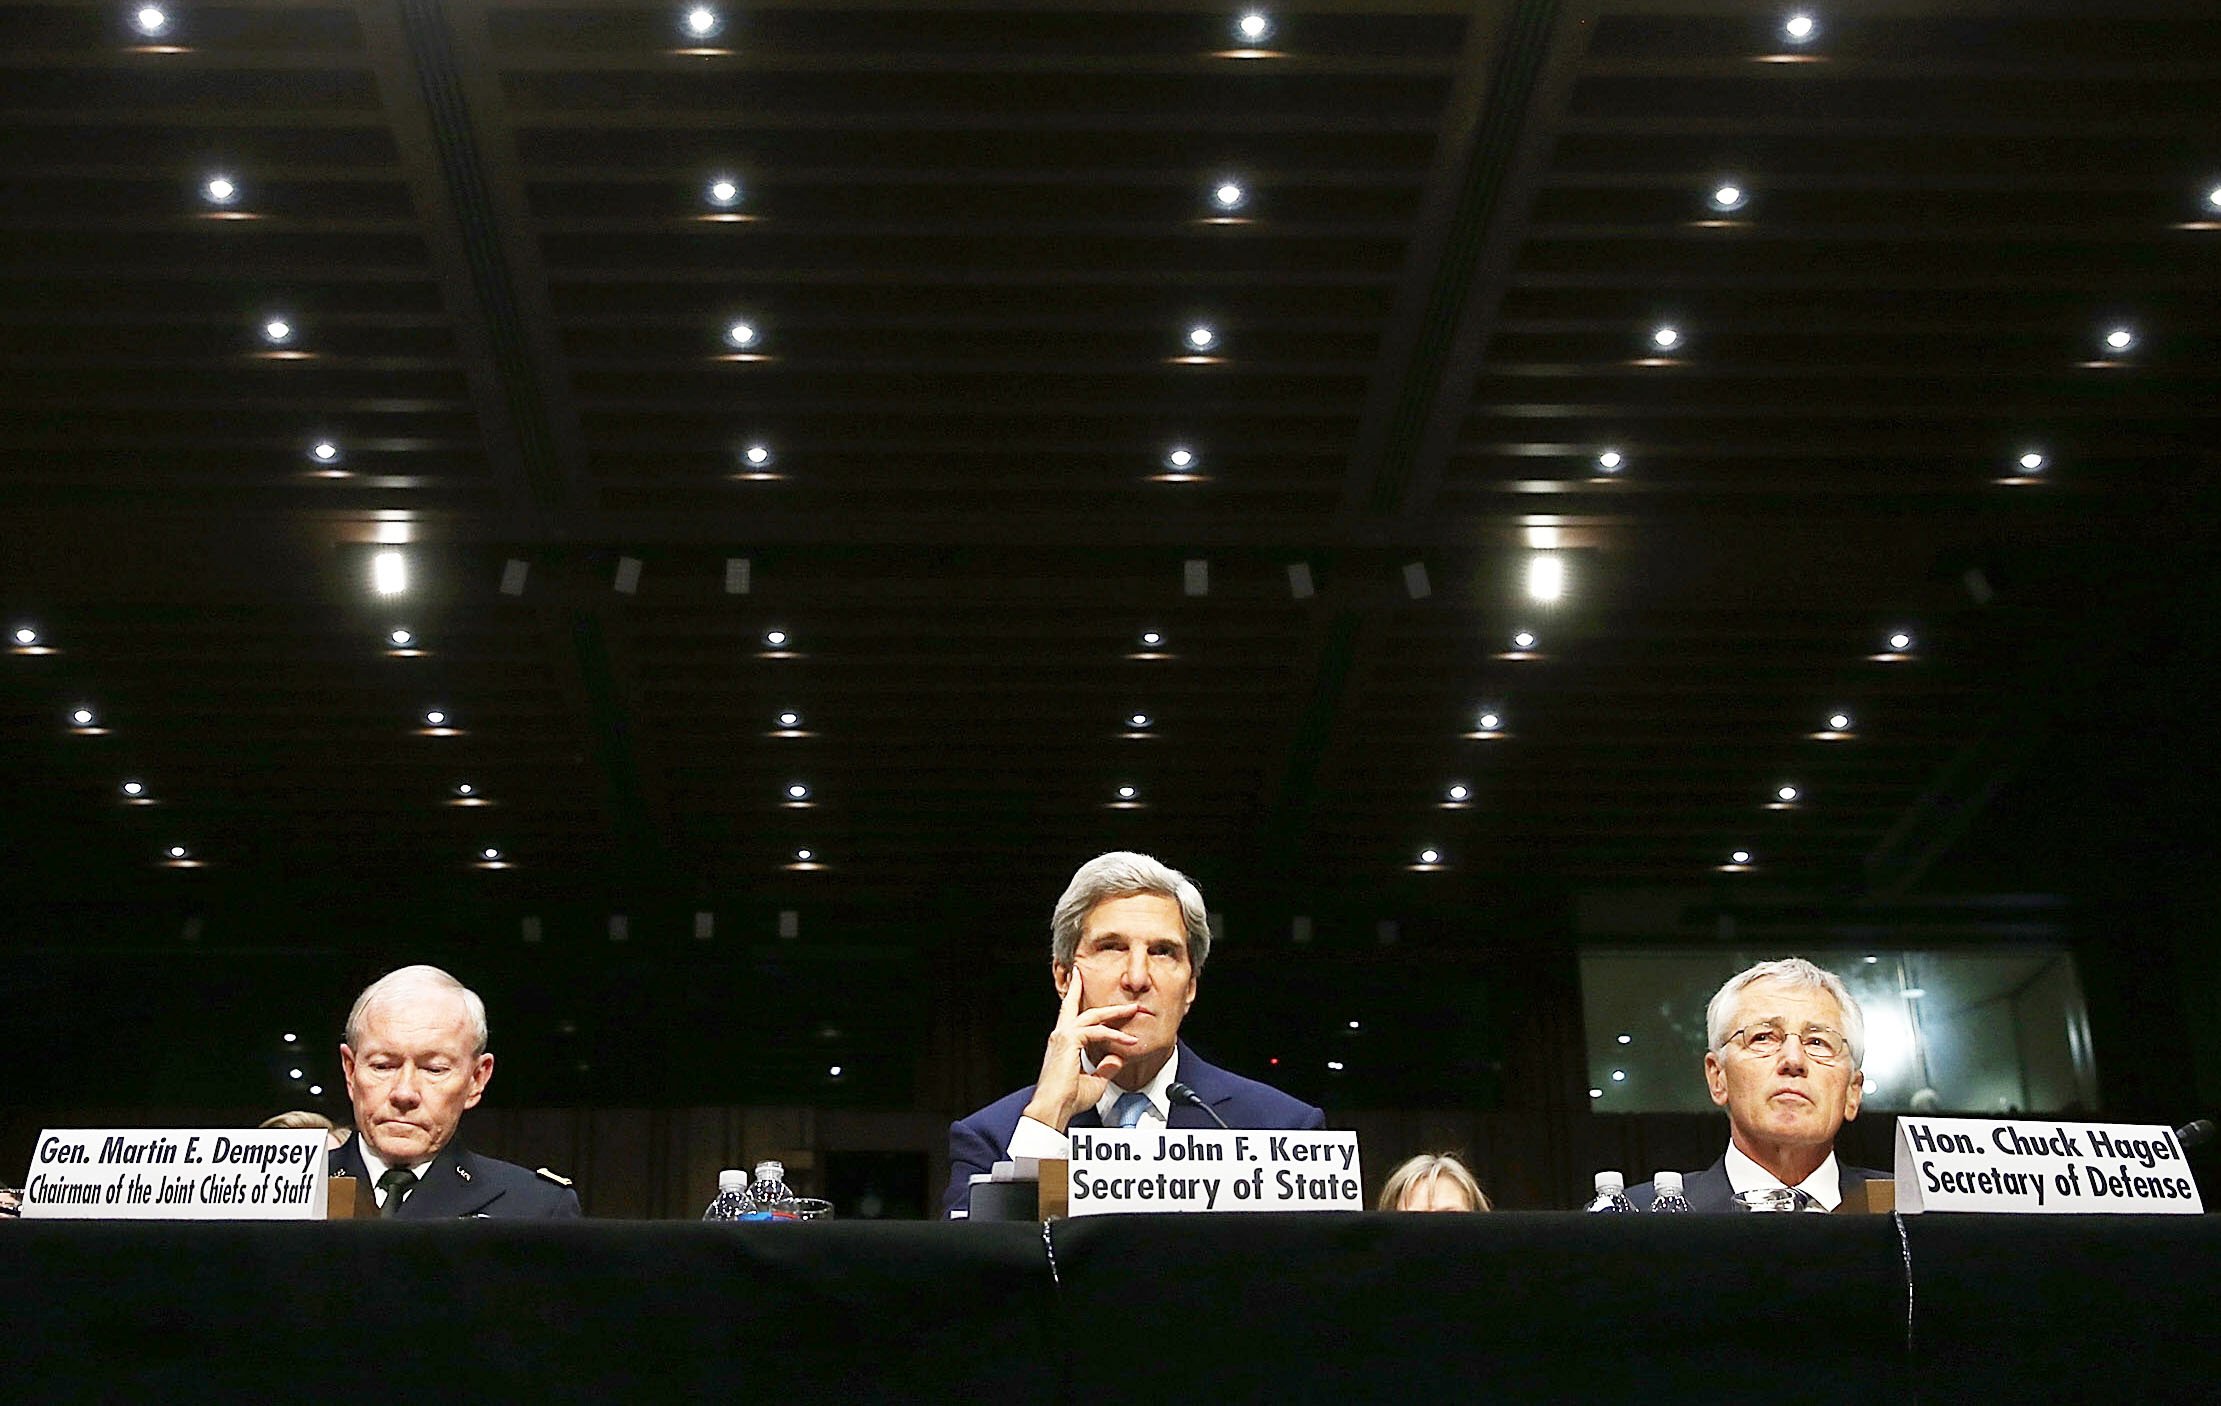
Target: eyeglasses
[{"x": 1820, "y": 1044}]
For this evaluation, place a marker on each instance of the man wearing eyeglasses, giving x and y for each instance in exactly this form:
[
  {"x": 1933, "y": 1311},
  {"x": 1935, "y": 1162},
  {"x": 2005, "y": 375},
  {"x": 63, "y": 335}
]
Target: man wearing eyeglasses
[{"x": 1784, "y": 1043}]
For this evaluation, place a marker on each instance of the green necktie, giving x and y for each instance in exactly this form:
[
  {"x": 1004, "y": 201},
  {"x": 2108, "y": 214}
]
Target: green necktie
[{"x": 397, "y": 1183}]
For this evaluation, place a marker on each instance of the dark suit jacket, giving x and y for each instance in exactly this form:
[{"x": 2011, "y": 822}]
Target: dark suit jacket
[
  {"x": 977, "y": 1143},
  {"x": 1710, "y": 1193},
  {"x": 459, "y": 1183}
]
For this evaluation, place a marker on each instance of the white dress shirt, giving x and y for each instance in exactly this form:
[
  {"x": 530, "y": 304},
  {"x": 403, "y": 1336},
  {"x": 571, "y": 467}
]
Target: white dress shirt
[
  {"x": 1825, "y": 1185},
  {"x": 1034, "y": 1138}
]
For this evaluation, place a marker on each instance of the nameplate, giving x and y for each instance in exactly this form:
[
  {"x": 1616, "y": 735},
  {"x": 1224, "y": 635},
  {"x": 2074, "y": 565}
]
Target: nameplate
[
  {"x": 1188, "y": 1169},
  {"x": 2042, "y": 1167},
  {"x": 177, "y": 1174}
]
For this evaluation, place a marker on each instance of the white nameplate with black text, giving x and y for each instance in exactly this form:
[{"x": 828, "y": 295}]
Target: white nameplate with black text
[
  {"x": 2042, "y": 1167},
  {"x": 178, "y": 1174},
  {"x": 1190, "y": 1169}
]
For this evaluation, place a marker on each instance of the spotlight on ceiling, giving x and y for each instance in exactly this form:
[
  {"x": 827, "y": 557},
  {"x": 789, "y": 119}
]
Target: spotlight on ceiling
[
  {"x": 176, "y": 851},
  {"x": 2032, "y": 462},
  {"x": 1545, "y": 576},
  {"x": 702, "y": 22},
  {"x": 150, "y": 20},
  {"x": 1253, "y": 27},
  {"x": 489, "y": 854},
  {"x": 1151, "y": 639},
  {"x": 777, "y": 639},
  {"x": 2120, "y": 339},
  {"x": 1491, "y": 722},
  {"x": 1229, "y": 195},
  {"x": 1611, "y": 461},
  {"x": 723, "y": 192},
  {"x": 790, "y": 719},
  {"x": 1460, "y": 792},
  {"x": 464, "y": 788},
  {"x": 277, "y": 331},
  {"x": 1525, "y": 639},
  {"x": 1666, "y": 338},
  {"x": 400, "y": 637},
  {"x": 1138, "y": 721},
  {"x": 1900, "y": 641},
  {"x": 220, "y": 190},
  {"x": 134, "y": 788},
  {"x": 804, "y": 856},
  {"x": 1741, "y": 856},
  {"x": 1785, "y": 794},
  {"x": 758, "y": 456},
  {"x": 324, "y": 451},
  {"x": 1729, "y": 195},
  {"x": 435, "y": 717},
  {"x": 83, "y": 717},
  {"x": 741, "y": 334},
  {"x": 26, "y": 636},
  {"x": 1430, "y": 856},
  {"x": 1127, "y": 793},
  {"x": 1800, "y": 29},
  {"x": 1839, "y": 722},
  {"x": 1202, "y": 337},
  {"x": 1180, "y": 460},
  {"x": 389, "y": 573},
  {"x": 796, "y": 791}
]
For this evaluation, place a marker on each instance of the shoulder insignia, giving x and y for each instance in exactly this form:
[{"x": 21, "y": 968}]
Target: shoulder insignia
[{"x": 551, "y": 1176}]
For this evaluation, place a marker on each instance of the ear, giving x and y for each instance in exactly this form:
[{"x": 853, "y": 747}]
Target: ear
[
  {"x": 1853, "y": 1094},
  {"x": 480, "y": 1072},
  {"x": 1193, "y": 981},
  {"x": 347, "y": 1068},
  {"x": 1059, "y": 974},
  {"x": 1715, "y": 1078}
]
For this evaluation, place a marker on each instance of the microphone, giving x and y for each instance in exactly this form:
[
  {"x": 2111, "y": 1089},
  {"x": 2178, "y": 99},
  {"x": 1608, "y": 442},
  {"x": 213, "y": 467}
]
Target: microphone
[
  {"x": 2191, "y": 1134},
  {"x": 1181, "y": 1093}
]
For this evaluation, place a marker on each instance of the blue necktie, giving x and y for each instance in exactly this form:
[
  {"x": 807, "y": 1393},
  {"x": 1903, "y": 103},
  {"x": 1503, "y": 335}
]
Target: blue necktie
[{"x": 1129, "y": 1108}]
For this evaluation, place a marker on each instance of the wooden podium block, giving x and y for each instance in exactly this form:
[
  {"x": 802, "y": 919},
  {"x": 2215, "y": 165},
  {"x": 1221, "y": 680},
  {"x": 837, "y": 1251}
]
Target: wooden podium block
[
  {"x": 1056, "y": 1188},
  {"x": 1877, "y": 1197},
  {"x": 349, "y": 1201}
]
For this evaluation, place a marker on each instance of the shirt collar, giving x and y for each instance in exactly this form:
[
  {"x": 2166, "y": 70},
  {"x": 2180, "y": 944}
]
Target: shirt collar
[
  {"x": 377, "y": 1166},
  {"x": 1825, "y": 1185},
  {"x": 1160, "y": 1102}
]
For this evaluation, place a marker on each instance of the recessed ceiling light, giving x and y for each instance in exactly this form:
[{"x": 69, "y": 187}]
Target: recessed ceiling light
[
  {"x": 25, "y": 635},
  {"x": 316, "y": 1090},
  {"x": 1900, "y": 641},
  {"x": 1626, "y": 1039},
  {"x": 1596, "y": 1093},
  {"x": 1151, "y": 638},
  {"x": 1202, "y": 337},
  {"x": 2120, "y": 339},
  {"x": 798, "y": 792},
  {"x": 400, "y": 637},
  {"x": 1545, "y": 576},
  {"x": 177, "y": 851},
  {"x": 757, "y": 455},
  {"x": 1491, "y": 721},
  {"x": 723, "y": 192},
  {"x": 1741, "y": 856},
  {"x": 1619, "y": 1076},
  {"x": 702, "y": 22},
  {"x": 83, "y": 717},
  {"x": 777, "y": 639},
  {"x": 1229, "y": 195},
  {"x": 220, "y": 190},
  {"x": 389, "y": 573},
  {"x": 1800, "y": 28},
  {"x": 1729, "y": 195},
  {"x": 1610, "y": 461},
  {"x": 489, "y": 854},
  {"x": 1785, "y": 794},
  {"x": 150, "y": 20},
  {"x": 805, "y": 855},
  {"x": 790, "y": 718},
  {"x": 1137, "y": 720},
  {"x": 1839, "y": 722},
  {"x": 1181, "y": 458},
  {"x": 1430, "y": 856},
  {"x": 1665, "y": 338},
  {"x": 1127, "y": 793},
  {"x": 741, "y": 334},
  {"x": 464, "y": 788},
  {"x": 1460, "y": 792},
  {"x": 2032, "y": 461},
  {"x": 1525, "y": 639},
  {"x": 434, "y": 717},
  {"x": 134, "y": 788},
  {"x": 1253, "y": 26},
  {"x": 277, "y": 331}
]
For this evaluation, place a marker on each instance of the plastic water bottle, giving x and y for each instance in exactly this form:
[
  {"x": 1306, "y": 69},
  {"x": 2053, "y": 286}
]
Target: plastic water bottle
[
  {"x": 731, "y": 1201},
  {"x": 771, "y": 1194},
  {"x": 1670, "y": 1198},
  {"x": 1611, "y": 1195}
]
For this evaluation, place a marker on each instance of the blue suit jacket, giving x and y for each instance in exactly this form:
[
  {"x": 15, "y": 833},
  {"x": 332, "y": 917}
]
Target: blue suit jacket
[
  {"x": 977, "y": 1143},
  {"x": 1710, "y": 1192},
  {"x": 460, "y": 1183}
]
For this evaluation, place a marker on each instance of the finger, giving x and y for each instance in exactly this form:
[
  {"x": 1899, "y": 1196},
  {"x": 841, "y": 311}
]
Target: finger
[
  {"x": 1106, "y": 1069},
  {"x": 1070, "y": 1002},
  {"x": 1097, "y": 1038},
  {"x": 1103, "y": 1015}
]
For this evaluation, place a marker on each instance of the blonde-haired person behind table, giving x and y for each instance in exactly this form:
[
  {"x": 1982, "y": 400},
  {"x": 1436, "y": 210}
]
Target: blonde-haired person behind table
[{"x": 1433, "y": 1181}]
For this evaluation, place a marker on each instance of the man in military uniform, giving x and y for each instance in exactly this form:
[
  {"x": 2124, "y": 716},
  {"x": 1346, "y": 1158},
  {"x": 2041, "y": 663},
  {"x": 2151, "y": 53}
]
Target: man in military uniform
[{"x": 415, "y": 1058}]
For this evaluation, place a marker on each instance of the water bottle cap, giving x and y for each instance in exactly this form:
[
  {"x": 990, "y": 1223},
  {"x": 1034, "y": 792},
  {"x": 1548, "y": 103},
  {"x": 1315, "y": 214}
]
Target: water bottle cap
[
  {"x": 771, "y": 1171},
  {"x": 732, "y": 1179},
  {"x": 1667, "y": 1181},
  {"x": 1610, "y": 1181}
]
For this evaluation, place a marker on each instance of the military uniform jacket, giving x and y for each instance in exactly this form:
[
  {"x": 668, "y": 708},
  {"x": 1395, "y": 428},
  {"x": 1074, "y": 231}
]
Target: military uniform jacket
[{"x": 459, "y": 1183}]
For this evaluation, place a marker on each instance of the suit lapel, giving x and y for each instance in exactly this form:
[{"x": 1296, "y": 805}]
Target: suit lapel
[{"x": 449, "y": 1188}]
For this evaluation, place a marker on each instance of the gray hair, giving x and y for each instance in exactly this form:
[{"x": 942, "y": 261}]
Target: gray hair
[
  {"x": 1798, "y": 974},
  {"x": 408, "y": 981},
  {"x": 1124, "y": 874}
]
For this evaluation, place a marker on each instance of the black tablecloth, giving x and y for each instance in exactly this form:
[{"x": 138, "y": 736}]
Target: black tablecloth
[{"x": 1125, "y": 1309}]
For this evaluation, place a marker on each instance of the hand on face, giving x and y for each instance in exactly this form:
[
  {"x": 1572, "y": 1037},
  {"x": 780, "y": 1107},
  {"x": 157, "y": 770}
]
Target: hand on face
[
  {"x": 1065, "y": 1087},
  {"x": 1125, "y": 993}
]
